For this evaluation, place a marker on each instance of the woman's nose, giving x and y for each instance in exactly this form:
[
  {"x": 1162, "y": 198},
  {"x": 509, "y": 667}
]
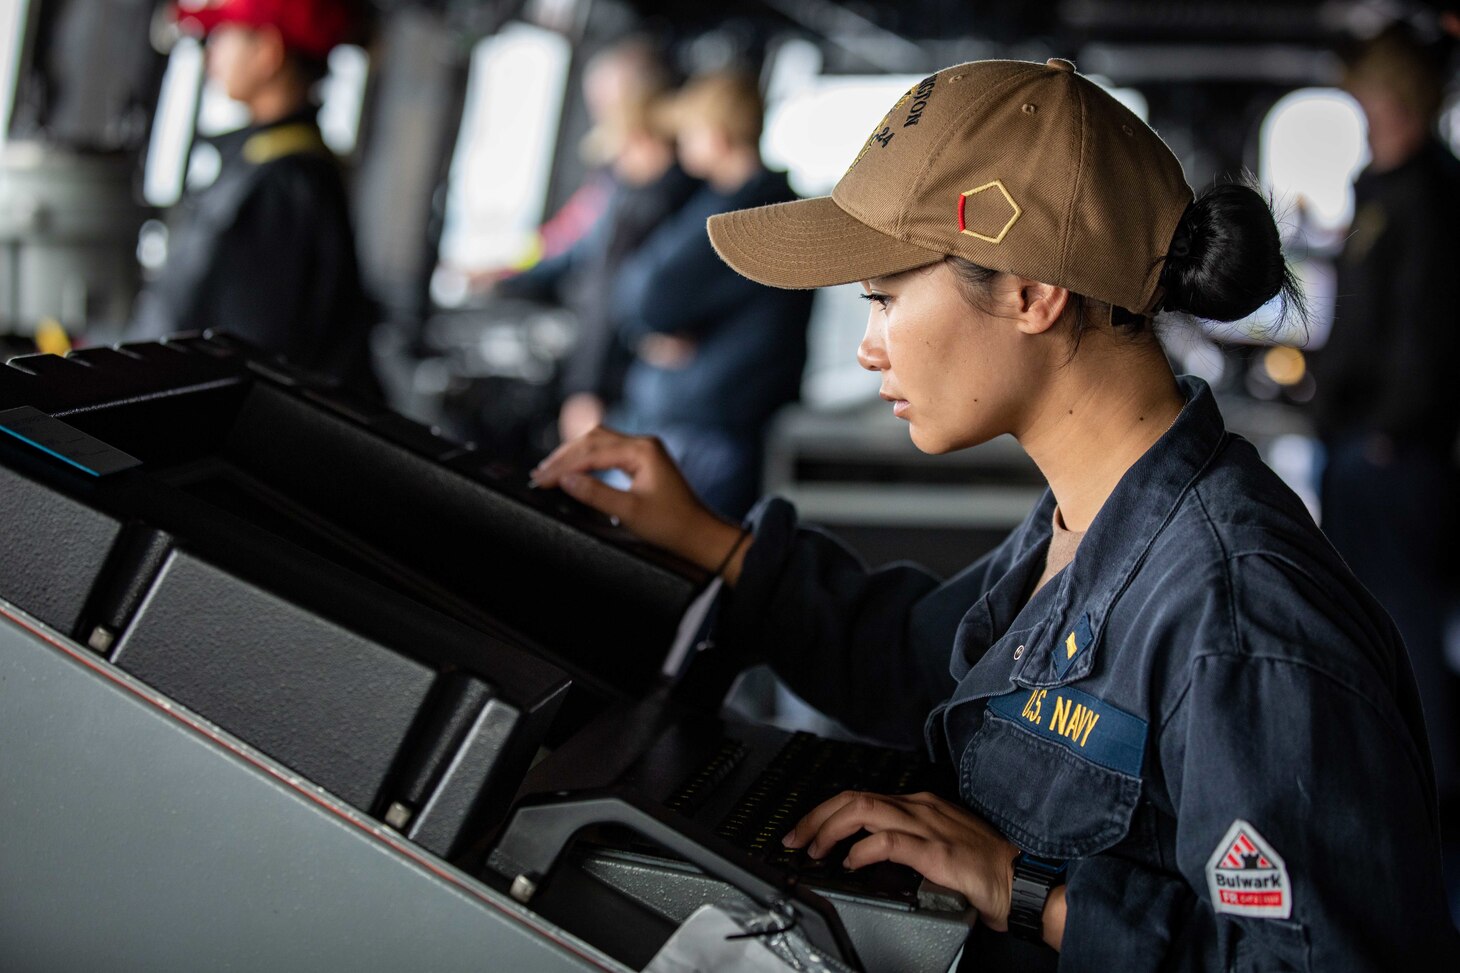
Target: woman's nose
[{"x": 870, "y": 353}]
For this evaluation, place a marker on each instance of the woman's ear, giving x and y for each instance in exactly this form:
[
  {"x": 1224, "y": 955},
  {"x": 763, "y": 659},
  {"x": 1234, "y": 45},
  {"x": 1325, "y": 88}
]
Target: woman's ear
[{"x": 1039, "y": 306}]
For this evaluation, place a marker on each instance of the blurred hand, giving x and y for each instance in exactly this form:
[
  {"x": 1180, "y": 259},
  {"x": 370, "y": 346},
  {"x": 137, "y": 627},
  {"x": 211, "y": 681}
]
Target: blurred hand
[
  {"x": 667, "y": 350},
  {"x": 581, "y": 411},
  {"x": 939, "y": 840},
  {"x": 658, "y": 506}
]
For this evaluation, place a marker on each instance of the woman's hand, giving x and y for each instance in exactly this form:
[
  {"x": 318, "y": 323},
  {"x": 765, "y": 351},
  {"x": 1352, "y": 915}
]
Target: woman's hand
[
  {"x": 658, "y": 506},
  {"x": 939, "y": 840}
]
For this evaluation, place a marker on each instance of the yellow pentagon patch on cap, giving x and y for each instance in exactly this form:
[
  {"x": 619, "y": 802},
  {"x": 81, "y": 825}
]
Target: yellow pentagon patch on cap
[{"x": 986, "y": 214}]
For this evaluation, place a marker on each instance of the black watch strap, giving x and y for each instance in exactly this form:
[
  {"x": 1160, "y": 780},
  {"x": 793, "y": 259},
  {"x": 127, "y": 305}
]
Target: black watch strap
[{"x": 1034, "y": 879}]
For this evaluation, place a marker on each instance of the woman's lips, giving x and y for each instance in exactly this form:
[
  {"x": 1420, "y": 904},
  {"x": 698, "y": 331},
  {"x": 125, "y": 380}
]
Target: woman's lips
[{"x": 900, "y": 407}]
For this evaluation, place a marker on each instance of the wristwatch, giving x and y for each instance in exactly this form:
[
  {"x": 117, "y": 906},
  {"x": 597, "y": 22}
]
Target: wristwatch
[{"x": 1034, "y": 879}]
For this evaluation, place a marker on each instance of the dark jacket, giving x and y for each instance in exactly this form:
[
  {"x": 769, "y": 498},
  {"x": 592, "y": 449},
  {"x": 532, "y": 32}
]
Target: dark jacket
[
  {"x": 267, "y": 253},
  {"x": 1387, "y": 367},
  {"x": 751, "y": 339},
  {"x": 1206, "y": 674},
  {"x": 581, "y": 277}
]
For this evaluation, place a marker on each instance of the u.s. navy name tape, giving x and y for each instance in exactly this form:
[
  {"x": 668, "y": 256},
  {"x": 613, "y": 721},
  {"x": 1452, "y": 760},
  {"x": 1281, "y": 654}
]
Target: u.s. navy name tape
[{"x": 1089, "y": 727}]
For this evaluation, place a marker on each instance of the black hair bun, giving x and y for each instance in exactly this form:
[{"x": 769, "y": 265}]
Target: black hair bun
[{"x": 1226, "y": 258}]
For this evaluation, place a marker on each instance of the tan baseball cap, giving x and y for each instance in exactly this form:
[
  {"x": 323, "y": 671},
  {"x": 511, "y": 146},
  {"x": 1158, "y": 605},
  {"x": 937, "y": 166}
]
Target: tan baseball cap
[{"x": 1016, "y": 166}]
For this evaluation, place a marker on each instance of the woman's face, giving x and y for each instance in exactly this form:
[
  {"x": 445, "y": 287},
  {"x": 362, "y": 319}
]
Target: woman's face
[
  {"x": 235, "y": 62},
  {"x": 701, "y": 147},
  {"x": 959, "y": 376}
]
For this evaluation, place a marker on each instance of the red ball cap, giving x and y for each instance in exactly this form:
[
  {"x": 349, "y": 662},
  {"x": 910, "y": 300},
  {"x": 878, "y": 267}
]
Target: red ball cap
[{"x": 311, "y": 27}]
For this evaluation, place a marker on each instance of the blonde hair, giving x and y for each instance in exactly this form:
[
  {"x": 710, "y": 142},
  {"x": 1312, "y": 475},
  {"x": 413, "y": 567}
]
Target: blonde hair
[{"x": 726, "y": 100}]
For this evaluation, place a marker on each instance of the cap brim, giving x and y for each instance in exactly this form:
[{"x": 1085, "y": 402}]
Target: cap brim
[{"x": 810, "y": 243}]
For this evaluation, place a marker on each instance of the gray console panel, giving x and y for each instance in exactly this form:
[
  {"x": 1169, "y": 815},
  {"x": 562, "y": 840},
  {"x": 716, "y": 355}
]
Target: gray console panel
[{"x": 134, "y": 836}]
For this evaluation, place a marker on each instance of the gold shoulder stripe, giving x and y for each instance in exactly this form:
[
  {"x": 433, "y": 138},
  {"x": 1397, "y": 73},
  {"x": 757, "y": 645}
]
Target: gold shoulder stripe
[{"x": 276, "y": 143}]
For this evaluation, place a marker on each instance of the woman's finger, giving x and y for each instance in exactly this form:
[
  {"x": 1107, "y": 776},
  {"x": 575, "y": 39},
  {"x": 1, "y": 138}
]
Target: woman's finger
[
  {"x": 658, "y": 505},
  {"x": 916, "y": 850},
  {"x": 599, "y": 449},
  {"x": 805, "y": 829},
  {"x": 598, "y": 495},
  {"x": 967, "y": 861},
  {"x": 870, "y": 812},
  {"x": 814, "y": 820},
  {"x": 567, "y": 457}
]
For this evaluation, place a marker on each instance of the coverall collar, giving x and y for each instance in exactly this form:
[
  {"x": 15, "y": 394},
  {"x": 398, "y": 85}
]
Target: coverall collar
[{"x": 1119, "y": 538}]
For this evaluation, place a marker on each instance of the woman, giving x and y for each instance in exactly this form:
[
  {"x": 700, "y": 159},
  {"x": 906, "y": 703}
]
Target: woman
[{"x": 1184, "y": 735}]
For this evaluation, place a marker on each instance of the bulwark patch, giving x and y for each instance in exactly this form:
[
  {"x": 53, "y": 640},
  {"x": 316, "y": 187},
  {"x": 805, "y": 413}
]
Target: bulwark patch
[{"x": 1246, "y": 877}]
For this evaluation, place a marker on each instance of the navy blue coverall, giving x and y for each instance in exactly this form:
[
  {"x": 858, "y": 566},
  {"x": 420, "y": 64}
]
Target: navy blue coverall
[{"x": 1204, "y": 713}]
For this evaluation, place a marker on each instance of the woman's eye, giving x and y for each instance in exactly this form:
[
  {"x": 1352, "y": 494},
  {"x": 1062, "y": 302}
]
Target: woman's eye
[{"x": 879, "y": 299}]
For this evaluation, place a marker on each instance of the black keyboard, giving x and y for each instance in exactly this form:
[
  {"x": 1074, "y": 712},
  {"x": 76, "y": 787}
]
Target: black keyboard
[
  {"x": 697, "y": 807},
  {"x": 806, "y": 771}
]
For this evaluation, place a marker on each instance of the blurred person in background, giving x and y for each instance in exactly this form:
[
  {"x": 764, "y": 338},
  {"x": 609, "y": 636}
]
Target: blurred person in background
[
  {"x": 1386, "y": 406},
  {"x": 266, "y": 251},
  {"x": 716, "y": 355},
  {"x": 641, "y": 185}
]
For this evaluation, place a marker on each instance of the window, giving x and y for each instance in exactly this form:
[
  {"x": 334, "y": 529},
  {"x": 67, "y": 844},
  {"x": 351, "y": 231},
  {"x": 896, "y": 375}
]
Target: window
[
  {"x": 172, "y": 126},
  {"x": 499, "y": 174},
  {"x": 12, "y": 35},
  {"x": 816, "y": 131},
  {"x": 342, "y": 98},
  {"x": 1312, "y": 145}
]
